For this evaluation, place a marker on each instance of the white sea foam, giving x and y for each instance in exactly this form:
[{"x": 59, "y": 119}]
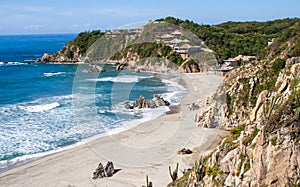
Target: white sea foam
[
  {"x": 121, "y": 79},
  {"x": 40, "y": 108},
  {"x": 53, "y": 73},
  {"x": 57, "y": 125},
  {"x": 175, "y": 91},
  {"x": 26, "y": 158},
  {"x": 12, "y": 63}
]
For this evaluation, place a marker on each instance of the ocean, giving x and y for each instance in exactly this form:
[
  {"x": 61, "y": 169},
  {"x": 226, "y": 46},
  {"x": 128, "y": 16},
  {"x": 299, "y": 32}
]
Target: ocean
[{"x": 46, "y": 108}]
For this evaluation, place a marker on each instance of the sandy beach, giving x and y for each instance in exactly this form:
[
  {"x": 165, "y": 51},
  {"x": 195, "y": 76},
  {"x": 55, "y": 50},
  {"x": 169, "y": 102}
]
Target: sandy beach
[{"x": 147, "y": 149}]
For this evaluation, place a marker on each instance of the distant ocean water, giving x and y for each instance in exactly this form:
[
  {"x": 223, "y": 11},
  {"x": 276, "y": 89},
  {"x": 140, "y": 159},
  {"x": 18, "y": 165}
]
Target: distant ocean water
[{"x": 37, "y": 115}]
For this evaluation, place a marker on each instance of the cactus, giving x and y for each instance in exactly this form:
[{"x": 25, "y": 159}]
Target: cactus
[
  {"x": 199, "y": 169},
  {"x": 148, "y": 184},
  {"x": 174, "y": 175}
]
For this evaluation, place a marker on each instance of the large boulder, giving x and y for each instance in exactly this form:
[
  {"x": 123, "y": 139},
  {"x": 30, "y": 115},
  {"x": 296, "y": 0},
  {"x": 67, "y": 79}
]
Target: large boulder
[
  {"x": 158, "y": 101},
  {"x": 189, "y": 66},
  {"x": 106, "y": 171},
  {"x": 95, "y": 69},
  {"x": 46, "y": 58},
  {"x": 142, "y": 103},
  {"x": 109, "y": 169}
]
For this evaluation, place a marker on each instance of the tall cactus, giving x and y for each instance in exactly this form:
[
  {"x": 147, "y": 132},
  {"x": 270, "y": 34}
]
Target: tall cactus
[
  {"x": 174, "y": 175},
  {"x": 148, "y": 184},
  {"x": 200, "y": 169}
]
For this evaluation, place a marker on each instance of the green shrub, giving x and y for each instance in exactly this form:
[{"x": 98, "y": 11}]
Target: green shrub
[
  {"x": 278, "y": 65},
  {"x": 274, "y": 140}
]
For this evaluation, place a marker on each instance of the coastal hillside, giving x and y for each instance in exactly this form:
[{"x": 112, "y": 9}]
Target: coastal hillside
[
  {"x": 231, "y": 39},
  {"x": 262, "y": 112},
  {"x": 214, "y": 43},
  {"x": 74, "y": 50}
]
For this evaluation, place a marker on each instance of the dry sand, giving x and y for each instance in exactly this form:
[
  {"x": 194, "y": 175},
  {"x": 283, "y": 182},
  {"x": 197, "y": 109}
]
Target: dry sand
[{"x": 148, "y": 149}]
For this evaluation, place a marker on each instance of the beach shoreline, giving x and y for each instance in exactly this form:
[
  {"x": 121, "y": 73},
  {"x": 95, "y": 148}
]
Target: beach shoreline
[{"x": 75, "y": 166}]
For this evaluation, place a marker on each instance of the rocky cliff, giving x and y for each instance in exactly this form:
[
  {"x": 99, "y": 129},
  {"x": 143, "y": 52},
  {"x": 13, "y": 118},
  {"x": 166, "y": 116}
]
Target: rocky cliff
[
  {"x": 259, "y": 104},
  {"x": 151, "y": 48},
  {"x": 75, "y": 50}
]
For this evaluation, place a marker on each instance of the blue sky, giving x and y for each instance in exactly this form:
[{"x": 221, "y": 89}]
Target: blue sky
[{"x": 72, "y": 16}]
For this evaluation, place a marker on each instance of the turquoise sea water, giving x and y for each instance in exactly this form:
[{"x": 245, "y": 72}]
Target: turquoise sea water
[{"x": 37, "y": 111}]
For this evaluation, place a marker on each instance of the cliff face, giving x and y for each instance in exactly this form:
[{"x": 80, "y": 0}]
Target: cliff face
[
  {"x": 263, "y": 148},
  {"x": 260, "y": 104},
  {"x": 70, "y": 53},
  {"x": 75, "y": 50}
]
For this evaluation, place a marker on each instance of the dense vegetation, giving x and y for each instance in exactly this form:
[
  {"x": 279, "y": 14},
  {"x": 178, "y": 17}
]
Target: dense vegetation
[
  {"x": 228, "y": 39},
  {"x": 150, "y": 49},
  {"x": 84, "y": 40},
  {"x": 233, "y": 38},
  {"x": 279, "y": 119}
]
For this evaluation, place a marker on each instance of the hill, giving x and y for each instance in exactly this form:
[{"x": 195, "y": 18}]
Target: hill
[{"x": 261, "y": 103}]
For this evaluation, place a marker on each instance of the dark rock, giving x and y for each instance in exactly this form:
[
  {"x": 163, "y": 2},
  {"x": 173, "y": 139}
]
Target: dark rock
[
  {"x": 194, "y": 107},
  {"x": 128, "y": 106},
  {"x": 158, "y": 101},
  {"x": 106, "y": 171},
  {"x": 141, "y": 103},
  {"x": 109, "y": 169},
  {"x": 121, "y": 66},
  {"x": 184, "y": 151},
  {"x": 46, "y": 58},
  {"x": 151, "y": 104},
  {"x": 189, "y": 66},
  {"x": 95, "y": 69},
  {"x": 87, "y": 61},
  {"x": 117, "y": 64},
  {"x": 99, "y": 172}
]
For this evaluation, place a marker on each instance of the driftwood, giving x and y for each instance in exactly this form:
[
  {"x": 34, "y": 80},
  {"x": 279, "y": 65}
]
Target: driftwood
[{"x": 184, "y": 151}]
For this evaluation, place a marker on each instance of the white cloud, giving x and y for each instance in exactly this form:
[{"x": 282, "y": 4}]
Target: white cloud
[
  {"x": 35, "y": 9},
  {"x": 124, "y": 12},
  {"x": 33, "y": 27}
]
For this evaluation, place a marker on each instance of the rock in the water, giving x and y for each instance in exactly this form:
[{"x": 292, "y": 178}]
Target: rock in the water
[
  {"x": 128, "y": 106},
  {"x": 117, "y": 64},
  {"x": 95, "y": 69},
  {"x": 121, "y": 66},
  {"x": 184, "y": 151},
  {"x": 46, "y": 58},
  {"x": 158, "y": 101},
  {"x": 141, "y": 103}
]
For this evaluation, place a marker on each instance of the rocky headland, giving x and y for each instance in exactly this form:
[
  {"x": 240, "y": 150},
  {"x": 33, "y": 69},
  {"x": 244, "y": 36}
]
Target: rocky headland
[{"x": 259, "y": 103}]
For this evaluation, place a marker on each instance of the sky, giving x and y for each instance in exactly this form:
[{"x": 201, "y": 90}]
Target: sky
[{"x": 73, "y": 16}]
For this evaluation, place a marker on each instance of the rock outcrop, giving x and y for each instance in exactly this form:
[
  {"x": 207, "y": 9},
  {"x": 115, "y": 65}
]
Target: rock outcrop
[
  {"x": 68, "y": 53},
  {"x": 157, "y": 101},
  {"x": 189, "y": 66},
  {"x": 95, "y": 69},
  {"x": 107, "y": 171},
  {"x": 263, "y": 149}
]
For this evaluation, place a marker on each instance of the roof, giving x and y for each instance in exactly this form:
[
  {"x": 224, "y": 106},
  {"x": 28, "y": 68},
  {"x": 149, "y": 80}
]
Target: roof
[
  {"x": 176, "y": 33},
  {"x": 167, "y": 36},
  {"x": 175, "y": 40},
  {"x": 186, "y": 46}
]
